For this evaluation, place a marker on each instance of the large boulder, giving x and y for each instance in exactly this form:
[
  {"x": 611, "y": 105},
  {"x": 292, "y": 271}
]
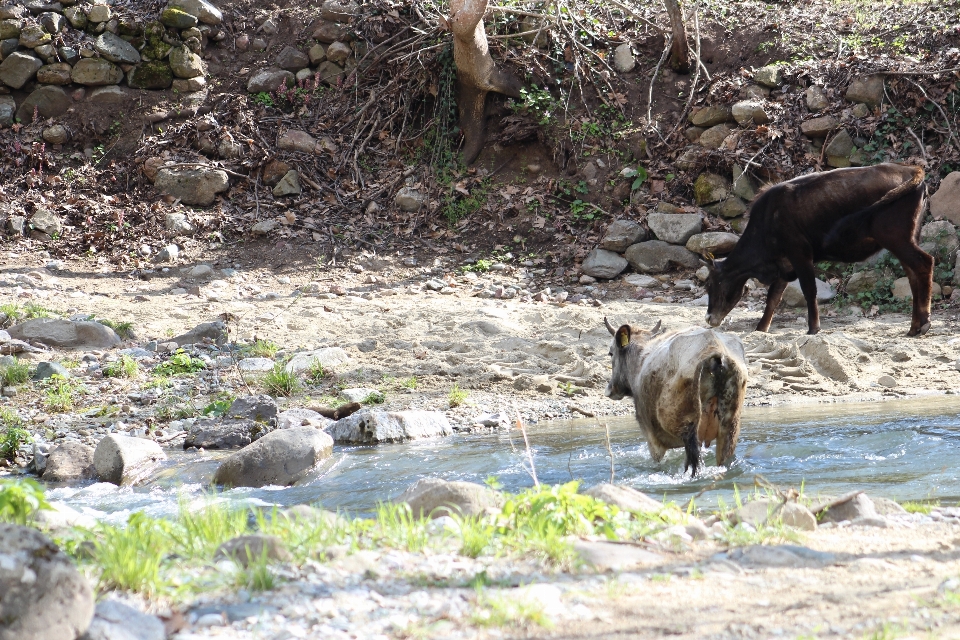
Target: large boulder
[
  {"x": 192, "y": 186},
  {"x": 371, "y": 426},
  {"x": 866, "y": 89},
  {"x": 65, "y": 334},
  {"x": 69, "y": 462},
  {"x": 656, "y": 256},
  {"x": 675, "y": 228},
  {"x": 279, "y": 458},
  {"x": 601, "y": 263},
  {"x": 124, "y": 460},
  {"x": 42, "y": 595},
  {"x": 945, "y": 203},
  {"x": 18, "y": 68},
  {"x": 113, "y": 620},
  {"x": 208, "y": 433},
  {"x": 95, "y": 72},
  {"x": 793, "y": 295},
  {"x": 626, "y": 498},
  {"x": 432, "y": 497},
  {"x": 713, "y": 242},
  {"x": 47, "y": 101},
  {"x": 328, "y": 357},
  {"x": 621, "y": 234},
  {"x": 941, "y": 234}
]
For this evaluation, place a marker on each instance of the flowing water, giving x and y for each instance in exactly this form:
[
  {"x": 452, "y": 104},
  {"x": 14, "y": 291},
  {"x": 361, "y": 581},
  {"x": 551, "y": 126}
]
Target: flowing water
[{"x": 906, "y": 450}]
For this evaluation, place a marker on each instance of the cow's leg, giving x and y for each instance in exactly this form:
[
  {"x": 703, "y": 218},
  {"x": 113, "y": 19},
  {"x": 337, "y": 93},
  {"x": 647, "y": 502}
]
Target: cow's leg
[
  {"x": 774, "y": 295},
  {"x": 808, "y": 284},
  {"x": 691, "y": 445},
  {"x": 919, "y": 267}
]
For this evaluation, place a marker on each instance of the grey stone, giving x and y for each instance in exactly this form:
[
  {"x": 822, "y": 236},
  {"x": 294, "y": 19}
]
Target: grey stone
[
  {"x": 191, "y": 85},
  {"x": 185, "y": 63},
  {"x": 296, "y": 140},
  {"x": 248, "y": 549},
  {"x": 710, "y": 187},
  {"x": 621, "y": 234},
  {"x": 192, "y": 186},
  {"x": 819, "y": 127},
  {"x": 942, "y": 234},
  {"x": 329, "y": 358},
  {"x": 33, "y": 35},
  {"x": 99, "y": 13},
  {"x": 713, "y": 137},
  {"x": 327, "y": 32},
  {"x": 292, "y": 59},
  {"x": 409, "y": 199},
  {"x": 769, "y": 76},
  {"x": 115, "y": 620},
  {"x": 264, "y": 227},
  {"x": 367, "y": 346},
  {"x": 46, "y": 101},
  {"x": 124, "y": 460},
  {"x": 10, "y": 29},
  {"x": 338, "y": 52},
  {"x": 279, "y": 458},
  {"x": 798, "y": 516},
  {"x": 750, "y": 111},
  {"x": 433, "y": 498},
  {"x": 641, "y": 280},
  {"x": 945, "y": 203},
  {"x": 712, "y": 242},
  {"x": 789, "y": 556},
  {"x": 656, "y": 256},
  {"x": 625, "y": 498},
  {"x": 176, "y": 18},
  {"x": 860, "y": 506},
  {"x": 256, "y": 364},
  {"x": 887, "y": 507},
  {"x": 675, "y": 228},
  {"x": 215, "y": 332},
  {"x": 887, "y": 381},
  {"x": 56, "y": 73},
  {"x": 601, "y": 263},
  {"x": 18, "y": 68},
  {"x": 300, "y": 417},
  {"x": 17, "y": 225},
  {"x": 372, "y": 426},
  {"x": 711, "y": 116},
  {"x": 317, "y": 54},
  {"x": 176, "y": 222},
  {"x": 793, "y": 295},
  {"x": 289, "y": 185},
  {"x": 269, "y": 80},
  {"x": 168, "y": 254},
  {"x": 816, "y": 98},
  {"x": 730, "y": 207},
  {"x": 76, "y": 16},
  {"x": 46, "y": 370},
  {"x": 623, "y": 58},
  {"x": 61, "y": 517},
  {"x": 209, "y": 433},
  {"x": 866, "y": 89},
  {"x": 840, "y": 145},
  {"x": 339, "y": 10},
  {"x": 109, "y": 94},
  {"x": 94, "y": 72},
  {"x": 611, "y": 556},
  {"x": 860, "y": 110},
  {"x": 358, "y": 394},
  {"x": 204, "y": 11},
  {"x": 862, "y": 281},
  {"x": 116, "y": 49},
  {"x": 65, "y": 334},
  {"x": 47, "y": 222},
  {"x": 743, "y": 185},
  {"x": 901, "y": 289},
  {"x": 69, "y": 462},
  {"x": 8, "y": 106},
  {"x": 330, "y": 72},
  {"x": 42, "y": 595},
  {"x": 259, "y": 408}
]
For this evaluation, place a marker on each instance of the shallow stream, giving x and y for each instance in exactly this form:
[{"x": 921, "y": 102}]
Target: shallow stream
[{"x": 905, "y": 450}]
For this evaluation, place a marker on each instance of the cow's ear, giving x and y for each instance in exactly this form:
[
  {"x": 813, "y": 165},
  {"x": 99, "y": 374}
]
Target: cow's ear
[{"x": 623, "y": 336}]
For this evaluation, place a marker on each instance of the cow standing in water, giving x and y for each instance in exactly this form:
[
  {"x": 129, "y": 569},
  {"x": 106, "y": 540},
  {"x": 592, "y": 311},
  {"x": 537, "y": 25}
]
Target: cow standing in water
[
  {"x": 687, "y": 388},
  {"x": 845, "y": 215}
]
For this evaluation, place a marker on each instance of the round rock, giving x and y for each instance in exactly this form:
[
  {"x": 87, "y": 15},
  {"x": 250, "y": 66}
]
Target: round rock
[
  {"x": 278, "y": 458},
  {"x": 601, "y": 263}
]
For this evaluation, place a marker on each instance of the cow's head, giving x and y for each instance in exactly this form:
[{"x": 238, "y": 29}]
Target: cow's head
[
  {"x": 724, "y": 291},
  {"x": 627, "y": 342}
]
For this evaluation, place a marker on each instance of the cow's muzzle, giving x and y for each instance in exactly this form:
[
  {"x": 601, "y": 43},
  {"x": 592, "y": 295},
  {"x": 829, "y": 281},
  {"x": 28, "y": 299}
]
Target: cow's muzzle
[
  {"x": 613, "y": 393},
  {"x": 714, "y": 320}
]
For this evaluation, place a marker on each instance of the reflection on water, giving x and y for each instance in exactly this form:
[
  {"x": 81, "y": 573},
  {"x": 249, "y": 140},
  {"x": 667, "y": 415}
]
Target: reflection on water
[{"x": 903, "y": 450}]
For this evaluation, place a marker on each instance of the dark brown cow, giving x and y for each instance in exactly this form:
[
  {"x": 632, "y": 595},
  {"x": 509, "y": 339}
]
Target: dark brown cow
[{"x": 845, "y": 215}]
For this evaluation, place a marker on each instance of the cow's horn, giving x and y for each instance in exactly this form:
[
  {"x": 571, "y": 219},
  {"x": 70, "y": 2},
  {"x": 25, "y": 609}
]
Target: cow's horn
[
  {"x": 656, "y": 329},
  {"x": 609, "y": 326}
]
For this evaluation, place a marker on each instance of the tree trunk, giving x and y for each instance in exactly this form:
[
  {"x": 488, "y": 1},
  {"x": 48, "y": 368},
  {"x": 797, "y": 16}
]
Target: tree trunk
[
  {"x": 679, "y": 51},
  {"x": 477, "y": 75}
]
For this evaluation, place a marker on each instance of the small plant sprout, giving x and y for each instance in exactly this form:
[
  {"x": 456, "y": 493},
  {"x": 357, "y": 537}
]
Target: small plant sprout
[
  {"x": 456, "y": 397},
  {"x": 260, "y": 349},
  {"x": 280, "y": 382},
  {"x": 180, "y": 363},
  {"x": 125, "y": 367}
]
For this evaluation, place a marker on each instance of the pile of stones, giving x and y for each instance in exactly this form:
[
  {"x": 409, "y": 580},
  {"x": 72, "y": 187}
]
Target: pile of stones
[{"x": 46, "y": 48}]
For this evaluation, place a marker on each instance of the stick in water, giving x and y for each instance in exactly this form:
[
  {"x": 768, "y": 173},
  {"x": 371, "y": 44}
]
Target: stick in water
[{"x": 526, "y": 443}]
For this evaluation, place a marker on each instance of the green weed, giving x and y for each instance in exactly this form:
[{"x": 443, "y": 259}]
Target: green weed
[
  {"x": 480, "y": 266},
  {"x": 12, "y": 313},
  {"x": 923, "y": 507},
  {"x": 34, "y": 310},
  {"x": 179, "y": 363},
  {"x": 506, "y": 609},
  {"x": 280, "y": 382},
  {"x": 129, "y": 558},
  {"x": 125, "y": 367},
  {"x": 400, "y": 529},
  {"x": 20, "y": 500},
  {"x": 316, "y": 373},
  {"x": 260, "y": 349},
  {"x": 14, "y": 435},
  {"x": 123, "y": 329},
  {"x": 59, "y": 396},
  {"x": 374, "y": 397},
  {"x": 13, "y": 374},
  {"x": 457, "y": 396}
]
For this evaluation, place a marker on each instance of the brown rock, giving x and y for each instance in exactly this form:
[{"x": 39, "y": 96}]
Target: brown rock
[
  {"x": 819, "y": 127},
  {"x": 151, "y": 166},
  {"x": 274, "y": 171}
]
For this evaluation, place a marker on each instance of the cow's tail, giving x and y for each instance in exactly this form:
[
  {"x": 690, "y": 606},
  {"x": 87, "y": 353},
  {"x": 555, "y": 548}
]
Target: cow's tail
[
  {"x": 850, "y": 229},
  {"x": 723, "y": 381}
]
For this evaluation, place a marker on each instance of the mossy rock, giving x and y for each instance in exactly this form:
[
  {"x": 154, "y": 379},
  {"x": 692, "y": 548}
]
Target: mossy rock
[
  {"x": 177, "y": 18},
  {"x": 153, "y": 45},
  {"x": 710, "y": 188},
  {"x": 150, "y": 75}
]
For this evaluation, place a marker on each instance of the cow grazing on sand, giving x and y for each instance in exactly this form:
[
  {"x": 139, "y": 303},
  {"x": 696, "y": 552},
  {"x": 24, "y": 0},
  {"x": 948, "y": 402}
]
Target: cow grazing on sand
[
  {"x": 846, "y": 215},
  {"x": 687, "y": 387}
]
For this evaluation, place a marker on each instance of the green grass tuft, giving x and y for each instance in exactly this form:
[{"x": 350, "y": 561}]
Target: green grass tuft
[
  {"x": 280, "y": 382},
  {"x": 20, "y": 500},
  {"x": 456, "y": 396},
  {"x": 123, "y": 329},
  {"x": 260, "y": 349},
  {"x": 14, "y": 374},
  {"x": 125, "y": 367},
  {"x": 180, "y": 363}
]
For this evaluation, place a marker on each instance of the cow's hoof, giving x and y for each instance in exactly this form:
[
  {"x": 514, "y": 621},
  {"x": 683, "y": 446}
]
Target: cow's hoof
[{"x": 923, "y": 330}]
